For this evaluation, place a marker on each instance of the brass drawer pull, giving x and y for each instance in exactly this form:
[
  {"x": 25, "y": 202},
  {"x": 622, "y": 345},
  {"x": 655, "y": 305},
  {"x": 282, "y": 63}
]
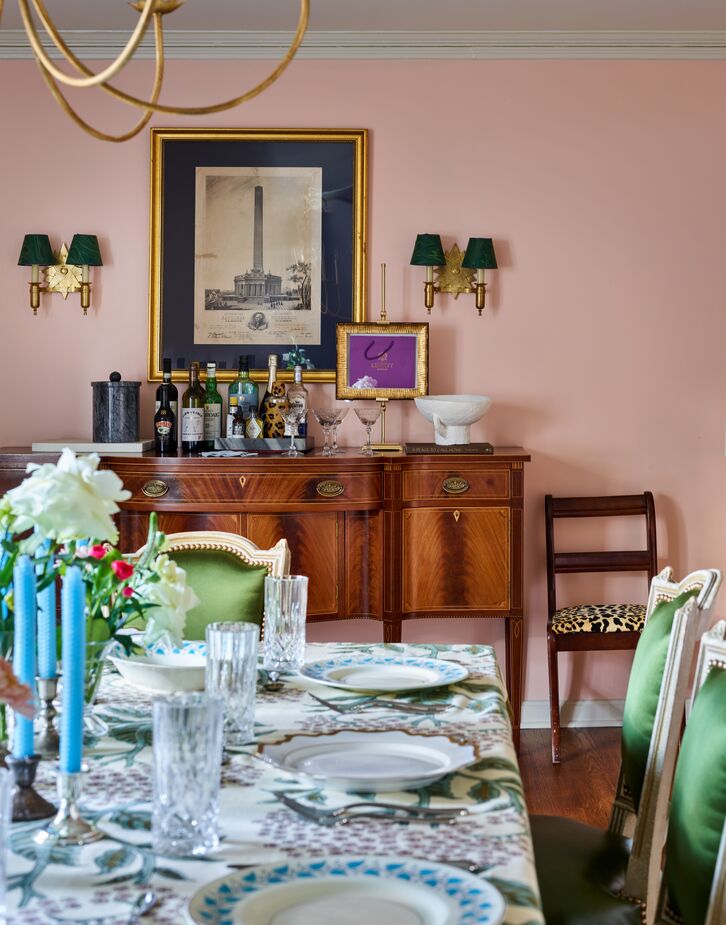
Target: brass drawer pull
[
  {"x": 455, "y": 486},
  {"x": 242, "y": 480},
  {"x": 330, "y": 488},
  {"x": 155, "y": 488}
]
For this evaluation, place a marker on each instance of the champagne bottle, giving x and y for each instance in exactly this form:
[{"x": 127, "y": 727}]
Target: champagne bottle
[
  {"x": 192, "y": 414},
  {"x": 242, "y": 391},
  {"x": 212, "y": 408},
  {"x": 273, "y": 402},
  {"x": 164, "y": 423},
  {"x": 173, "y": 396},
  {"x": 297, "y": 397}
]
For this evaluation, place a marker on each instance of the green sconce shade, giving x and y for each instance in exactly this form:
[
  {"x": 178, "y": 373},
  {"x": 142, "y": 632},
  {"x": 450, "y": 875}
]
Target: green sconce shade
[
  {"x": 480, "y": 255},
  {"x": 427, "y": 251},
  {"x": 84, "y": 251},
  {"x": 36, "y": 250}
]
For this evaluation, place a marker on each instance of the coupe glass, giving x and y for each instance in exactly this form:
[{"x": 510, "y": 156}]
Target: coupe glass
[
  {"x": 292, "y": 417},
  {"x": 340, "y": 412},
  {"x": 326, "y": 419},
  {"x": 368, "y": 415},
  {"x": 231, "y": 674}
]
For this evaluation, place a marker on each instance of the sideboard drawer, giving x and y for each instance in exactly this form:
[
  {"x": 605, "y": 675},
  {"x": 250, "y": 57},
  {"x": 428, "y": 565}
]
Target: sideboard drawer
[
  {"x": 257, "y": 488},
  {"x": 467, "y": 482}
]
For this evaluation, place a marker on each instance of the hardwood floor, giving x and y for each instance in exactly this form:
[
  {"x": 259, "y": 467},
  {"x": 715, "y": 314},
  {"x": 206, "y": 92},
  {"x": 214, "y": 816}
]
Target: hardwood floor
[{"x": 583, "y": 784}]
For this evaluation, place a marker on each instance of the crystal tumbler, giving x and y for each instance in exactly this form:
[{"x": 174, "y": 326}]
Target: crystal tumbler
[
  {"x": 286, "y": 601},
  {"x": 232, "y": 675},
  {"x": 187, "y": 766}
]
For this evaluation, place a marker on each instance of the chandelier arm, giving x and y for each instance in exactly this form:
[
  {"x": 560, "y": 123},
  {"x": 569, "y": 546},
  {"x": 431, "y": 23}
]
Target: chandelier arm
[
  {"x": 156, "y": 89},
  {"x": 58, "y": 75},
  {"x": 218, "y": 107}
]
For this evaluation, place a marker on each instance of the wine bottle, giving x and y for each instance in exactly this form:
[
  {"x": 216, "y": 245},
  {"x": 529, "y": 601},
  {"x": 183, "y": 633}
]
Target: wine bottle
[
  {"x": 297, "y": 397},
  {"x": 164, "y": 423},
  {"x": 212, "y": 408},
  {"x": 192, "y": 414},
  {"x": 273, "y": 402},
  {"x": 242, "y": 391},
  {"x": 173, "y": 396}
]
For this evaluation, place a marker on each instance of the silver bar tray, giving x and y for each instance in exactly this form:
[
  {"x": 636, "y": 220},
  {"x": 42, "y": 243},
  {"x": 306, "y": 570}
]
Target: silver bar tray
[{"x": 267, "y": 445}]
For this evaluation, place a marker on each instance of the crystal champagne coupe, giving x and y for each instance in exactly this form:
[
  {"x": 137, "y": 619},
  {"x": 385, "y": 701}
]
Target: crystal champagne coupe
[
  {"x": 368, "y": 415},
  {"x": 326, "y": 419},
  {"x": 340, "y": 412}
]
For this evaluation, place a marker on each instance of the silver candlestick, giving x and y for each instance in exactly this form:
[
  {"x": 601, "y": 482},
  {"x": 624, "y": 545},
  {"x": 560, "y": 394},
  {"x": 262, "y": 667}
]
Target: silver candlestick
[
  {"x": 69, "y": 827},
  {"x": 27, "y": 804},
  {"x": 47, "y": 743}
]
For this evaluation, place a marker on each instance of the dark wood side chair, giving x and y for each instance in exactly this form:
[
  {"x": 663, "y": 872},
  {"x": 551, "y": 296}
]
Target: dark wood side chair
[{"x": 587, "y": 627}]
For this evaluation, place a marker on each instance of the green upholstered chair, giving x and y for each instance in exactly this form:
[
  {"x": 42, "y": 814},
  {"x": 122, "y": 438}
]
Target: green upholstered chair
[
  {"x": 227, "y": 572},
  {"x": 584, "y": 873},
  {"x": 693, "y": 888}
]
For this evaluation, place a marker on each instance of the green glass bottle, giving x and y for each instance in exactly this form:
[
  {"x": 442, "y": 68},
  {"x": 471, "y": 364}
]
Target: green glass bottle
[
  {"x": 242, "y": 391},
  {"x": 192, "y": 414},
  {"x": 212, "y": 408}
]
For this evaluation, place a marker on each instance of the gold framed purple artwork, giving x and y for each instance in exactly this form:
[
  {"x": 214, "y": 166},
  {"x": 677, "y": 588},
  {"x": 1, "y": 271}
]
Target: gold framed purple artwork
[{"x": 382, "y": 360}]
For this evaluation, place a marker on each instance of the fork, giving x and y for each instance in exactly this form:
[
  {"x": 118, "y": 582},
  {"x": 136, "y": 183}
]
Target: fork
[
  {"x": 391, "y": 811},
  {"x": 399, "y": 706}
]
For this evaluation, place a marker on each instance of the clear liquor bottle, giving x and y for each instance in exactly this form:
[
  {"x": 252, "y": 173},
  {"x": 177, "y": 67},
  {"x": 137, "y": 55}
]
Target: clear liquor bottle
[
  {"x": 297, "y": 396},
  {"x": 212, "y": 408},
  {"x": 192, "y": 413},
  {"x": 273, "y": 402}
]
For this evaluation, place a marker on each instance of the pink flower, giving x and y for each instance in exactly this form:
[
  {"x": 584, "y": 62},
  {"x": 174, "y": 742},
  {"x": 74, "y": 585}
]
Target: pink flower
[
  {"x": 18, "y": 696},
  {"x": 121, "y": 569},
  {"x": 127, "y": 592},
  {"x": 98, "y": 552}
]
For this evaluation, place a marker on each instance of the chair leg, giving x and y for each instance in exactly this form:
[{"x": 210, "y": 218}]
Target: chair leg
[{"x": 554, "y": 696}]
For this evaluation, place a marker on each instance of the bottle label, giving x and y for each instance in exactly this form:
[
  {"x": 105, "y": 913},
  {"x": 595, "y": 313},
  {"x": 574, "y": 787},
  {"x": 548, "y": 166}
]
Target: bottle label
[
  {"x": 163, "y": 428},
  {"x": 192, "y": 424},
  {"x": 212, "y": 421},
  {"x": 254, "y": 427}
]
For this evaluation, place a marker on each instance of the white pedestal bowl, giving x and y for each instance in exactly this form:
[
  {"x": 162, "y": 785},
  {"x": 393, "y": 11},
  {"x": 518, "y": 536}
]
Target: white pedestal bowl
[{"x": 452, "y": 415}]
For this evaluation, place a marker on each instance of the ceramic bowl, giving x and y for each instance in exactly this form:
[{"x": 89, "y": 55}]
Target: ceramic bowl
[
  {"x": 452, "y": 415},
  {"x": 164, "y": 674}
]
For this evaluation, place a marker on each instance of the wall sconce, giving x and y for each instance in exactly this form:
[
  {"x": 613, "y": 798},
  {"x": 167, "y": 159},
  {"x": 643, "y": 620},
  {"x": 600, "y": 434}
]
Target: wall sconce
[
  {"x": 68, "y": 272},
  {"x": 454, "y": 268}
]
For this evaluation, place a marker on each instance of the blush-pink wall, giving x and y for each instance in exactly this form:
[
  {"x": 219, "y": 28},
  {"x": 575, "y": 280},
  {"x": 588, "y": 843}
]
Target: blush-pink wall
[{"x": 604, "y": 188}]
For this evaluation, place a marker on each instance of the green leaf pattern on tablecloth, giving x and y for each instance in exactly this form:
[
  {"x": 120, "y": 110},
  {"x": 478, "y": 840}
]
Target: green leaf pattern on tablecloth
[{"x": 98, "y": 884}]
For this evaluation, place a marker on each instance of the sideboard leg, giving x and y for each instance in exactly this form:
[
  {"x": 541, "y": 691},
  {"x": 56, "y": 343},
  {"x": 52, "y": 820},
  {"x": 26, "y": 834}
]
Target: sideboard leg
[
  {"x": 514, "y": 644},
  {"x": 392, "y": 630}
]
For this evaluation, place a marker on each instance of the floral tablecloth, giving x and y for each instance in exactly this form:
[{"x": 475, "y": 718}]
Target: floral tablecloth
[{"x": 97, "y": 884}]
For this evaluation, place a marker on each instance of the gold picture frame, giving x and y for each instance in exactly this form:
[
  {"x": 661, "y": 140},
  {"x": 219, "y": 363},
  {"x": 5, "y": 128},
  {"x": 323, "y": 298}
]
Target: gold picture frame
[
  {"x": 367, "y": 368},
  {"x": 334, "y": 162}
]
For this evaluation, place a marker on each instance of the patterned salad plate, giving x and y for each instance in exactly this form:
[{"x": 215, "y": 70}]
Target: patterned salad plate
[
  {"x": 384, "y": 673},
  {"x": 382, "y": 760},
  {"x": 348, "y": 891}
]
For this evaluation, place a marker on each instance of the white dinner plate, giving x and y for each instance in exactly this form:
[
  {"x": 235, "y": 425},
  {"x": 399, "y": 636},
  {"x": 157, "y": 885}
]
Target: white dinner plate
[
  {"x": 384, "y": 673},
  {"x": 348, "y": 891},
  {"x": 384, "y": 761}
]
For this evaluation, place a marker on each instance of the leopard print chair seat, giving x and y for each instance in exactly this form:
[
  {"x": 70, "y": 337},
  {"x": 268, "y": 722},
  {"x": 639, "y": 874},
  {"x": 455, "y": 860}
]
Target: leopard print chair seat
[{"x": 599, "y": 618}]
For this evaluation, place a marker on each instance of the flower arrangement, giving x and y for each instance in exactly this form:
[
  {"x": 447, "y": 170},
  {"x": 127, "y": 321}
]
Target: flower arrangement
[
  {"x": 68, "y": 508},
  {"x": 13, "y": 694}
]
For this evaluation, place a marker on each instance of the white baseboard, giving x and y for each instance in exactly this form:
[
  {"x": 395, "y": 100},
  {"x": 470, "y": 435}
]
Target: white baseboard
[{"x": 575, "y": 713}]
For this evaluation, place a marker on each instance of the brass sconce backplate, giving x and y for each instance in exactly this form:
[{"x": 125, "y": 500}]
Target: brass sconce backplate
[
  {"x": 454, "y": 278},
  {"x": 63, "y": 277}
]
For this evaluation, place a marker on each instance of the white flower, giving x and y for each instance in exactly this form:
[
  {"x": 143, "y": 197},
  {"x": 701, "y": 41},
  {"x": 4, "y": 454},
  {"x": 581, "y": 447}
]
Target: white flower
[
  {"x": 172, "y": 598},
  {"x": 365, "y": 382},
  {"x": 69, "y": 500}
]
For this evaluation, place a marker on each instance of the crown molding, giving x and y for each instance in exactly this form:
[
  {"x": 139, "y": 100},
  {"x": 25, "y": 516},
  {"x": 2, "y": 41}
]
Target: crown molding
[{"x": 476, "y": 45}]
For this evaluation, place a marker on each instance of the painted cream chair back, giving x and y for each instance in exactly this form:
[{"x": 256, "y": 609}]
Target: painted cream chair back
[
  {"x": 707, "y": 790},
  {"x": 690, "y": 622},
  {"x": 227, "y": 573}
]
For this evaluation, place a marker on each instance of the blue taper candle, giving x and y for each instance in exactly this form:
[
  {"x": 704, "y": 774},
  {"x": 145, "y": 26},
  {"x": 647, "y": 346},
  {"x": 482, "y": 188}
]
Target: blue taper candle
[
  {"x": 47, "y": 631},
  {"x": 24, "y": 647},
  {"x": 73, "y": 633}
]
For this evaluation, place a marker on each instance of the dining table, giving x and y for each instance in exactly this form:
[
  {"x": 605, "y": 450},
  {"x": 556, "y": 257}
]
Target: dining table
[{"x": 98, "y": 884}]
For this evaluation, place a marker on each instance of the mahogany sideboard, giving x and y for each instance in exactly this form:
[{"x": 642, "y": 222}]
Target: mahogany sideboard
[{"x": 386, "y": 537}]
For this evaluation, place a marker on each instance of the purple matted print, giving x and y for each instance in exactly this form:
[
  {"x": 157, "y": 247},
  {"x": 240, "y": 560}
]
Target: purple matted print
[{"x": 382, "y": 361}]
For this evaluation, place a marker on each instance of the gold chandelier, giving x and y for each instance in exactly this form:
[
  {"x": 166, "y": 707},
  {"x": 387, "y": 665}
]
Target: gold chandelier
[{"x": 148, "y": 10}]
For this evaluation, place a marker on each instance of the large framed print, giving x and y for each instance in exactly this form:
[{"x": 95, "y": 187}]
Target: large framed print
[
  {"x": 380, "y": 360},
  {"x": 257, "y": 247}
]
